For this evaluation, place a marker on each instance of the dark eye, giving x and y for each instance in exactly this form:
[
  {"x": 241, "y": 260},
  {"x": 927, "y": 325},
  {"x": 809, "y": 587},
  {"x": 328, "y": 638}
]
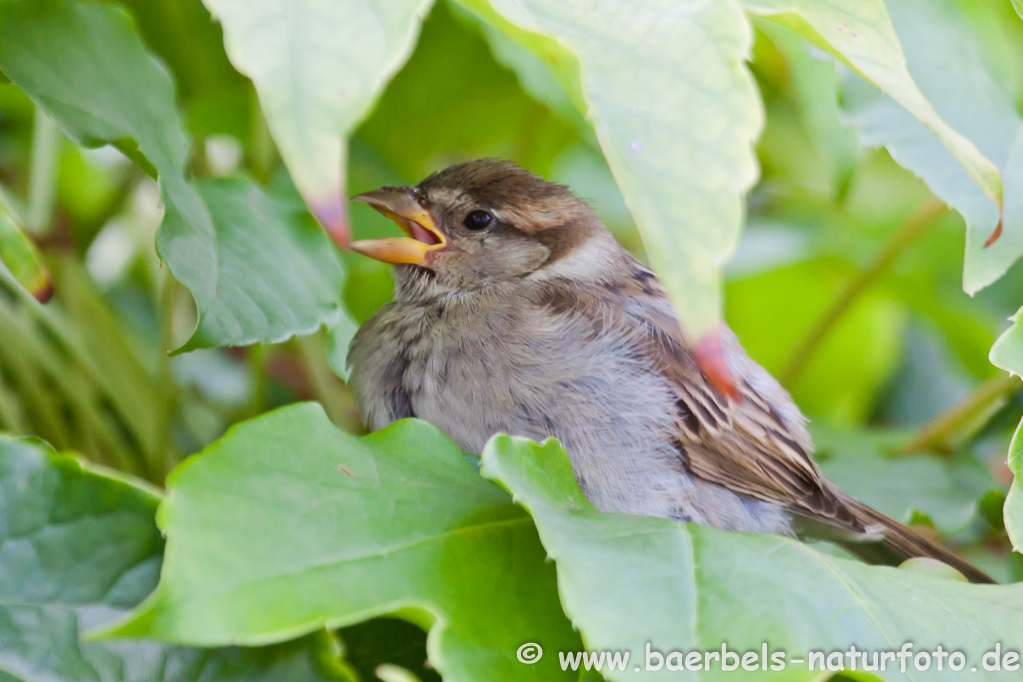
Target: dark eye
[{"x": 478, "y": 220}]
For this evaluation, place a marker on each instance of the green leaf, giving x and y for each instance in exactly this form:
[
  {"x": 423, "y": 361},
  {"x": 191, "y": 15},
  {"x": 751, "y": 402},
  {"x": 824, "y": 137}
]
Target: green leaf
[
  {"x": 860, "y": 32},
  {"x": 278, "y": 276},
  {"x": 676, "y": 113},
  {"x": 287, "y": 525},
  {"x": 78, "y": 548},
  {"x": 629, "y": 582},
  {"x": 968, "y": 91},
  {"x": 1007, "y": 353},
  {"x": 855, "y": 360},
  {"x": 254, "y": 276},
  {"x": 317, "y": 66}
]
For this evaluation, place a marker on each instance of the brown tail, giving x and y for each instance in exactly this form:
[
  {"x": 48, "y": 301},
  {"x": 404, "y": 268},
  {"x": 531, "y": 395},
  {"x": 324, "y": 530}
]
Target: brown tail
[{"x": 908, "y": 543}]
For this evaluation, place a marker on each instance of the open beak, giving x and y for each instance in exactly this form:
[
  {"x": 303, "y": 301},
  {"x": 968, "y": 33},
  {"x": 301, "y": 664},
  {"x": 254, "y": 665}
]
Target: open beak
[{"x": 412, "y": 218}]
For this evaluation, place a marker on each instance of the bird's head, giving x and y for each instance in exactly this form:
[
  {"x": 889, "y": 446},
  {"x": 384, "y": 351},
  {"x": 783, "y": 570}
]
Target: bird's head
[{"x": 481, "y": 221}]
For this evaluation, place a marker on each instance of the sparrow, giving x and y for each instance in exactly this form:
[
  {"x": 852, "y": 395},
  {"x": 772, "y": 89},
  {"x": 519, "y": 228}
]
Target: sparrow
[{"x": 515, "y": 311}]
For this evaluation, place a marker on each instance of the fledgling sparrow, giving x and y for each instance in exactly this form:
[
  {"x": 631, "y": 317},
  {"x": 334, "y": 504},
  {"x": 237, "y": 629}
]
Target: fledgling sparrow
[{"x": 516, "y": 311}]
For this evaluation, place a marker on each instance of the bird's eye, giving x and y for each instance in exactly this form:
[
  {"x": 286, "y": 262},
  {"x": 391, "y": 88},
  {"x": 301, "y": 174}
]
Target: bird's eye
[{"x": 478, "y": 220}]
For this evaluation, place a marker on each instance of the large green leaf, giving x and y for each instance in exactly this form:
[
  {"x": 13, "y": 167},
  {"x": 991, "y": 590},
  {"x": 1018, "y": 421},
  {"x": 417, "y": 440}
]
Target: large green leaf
[
  {"x": 77, "y": 549},
  {"x": 956, "y": 67},
  {"x": 317, "y": 66},
  {"x": 631, "y": 582},
  {"x": 85, "y": 65},
  {"x": 676, "y": 113},
  {"x": 860, "y": 32},
  {"x": 288, "y": 524}
]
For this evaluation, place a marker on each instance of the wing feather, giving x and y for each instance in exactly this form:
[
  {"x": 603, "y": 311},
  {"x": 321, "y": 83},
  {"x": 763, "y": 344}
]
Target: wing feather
[{"x": 756, "y": 446}]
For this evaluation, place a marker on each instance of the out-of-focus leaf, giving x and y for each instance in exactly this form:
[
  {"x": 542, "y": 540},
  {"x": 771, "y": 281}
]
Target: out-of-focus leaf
[
  {"x": 692, "y": 587},
  {"x": 1007, "y": 353},
  {"x": 22, "y": 258},
  {"x": 767, "y": 246},
  {"x": 253, "y": 278},
  {"x": 317, "y": 66},
  {"x": 929, "y": 381},
  {"x": 471, "y": 105},
  {"x": 278, "y": 277},
  {"x": 953, "y": 67},
  {"x": 535, "y": 73},
  {"x": 561, "y": 61},
  {"x": 99, "y": 347},
  {"x": 369, "y": 286},
  {"x": 860, "y": 32},
  {"x": 90, "y": 186},
  {"x": 221, "y": 378},
  {"x": 675, "y": 111},
  {"x": 881, "y": 200},
  {"x": 223, "y": 111},
  {"x": 78, "y": 548},
  {"x": 288, "y": 524},
  {"x": 771, "y": 311},
  {"x": 906, "y": 488},
  {"x": 967, "y": 329},
  {"x": 815, "y": 86}
]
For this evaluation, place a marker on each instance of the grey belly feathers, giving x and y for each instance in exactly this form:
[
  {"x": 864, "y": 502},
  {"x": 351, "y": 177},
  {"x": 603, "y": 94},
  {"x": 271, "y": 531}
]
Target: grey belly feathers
[{"x": 452, "y": 360}]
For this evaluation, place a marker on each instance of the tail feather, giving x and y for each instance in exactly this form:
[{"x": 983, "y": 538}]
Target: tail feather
[{"x": 908, "y": 543}]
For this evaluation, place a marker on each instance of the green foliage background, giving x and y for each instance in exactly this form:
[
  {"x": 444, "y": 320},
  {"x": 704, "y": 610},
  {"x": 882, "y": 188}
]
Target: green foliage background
[{"x": 174, "y": 172}]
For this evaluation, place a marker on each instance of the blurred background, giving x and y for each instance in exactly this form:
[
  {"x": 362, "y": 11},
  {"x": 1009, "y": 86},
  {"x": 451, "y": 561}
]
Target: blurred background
[{"x": 847, "y": 284}]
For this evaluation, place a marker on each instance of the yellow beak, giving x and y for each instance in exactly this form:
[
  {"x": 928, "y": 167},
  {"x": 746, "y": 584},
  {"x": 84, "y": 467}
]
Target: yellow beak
[{"x": 412, "y": 218}]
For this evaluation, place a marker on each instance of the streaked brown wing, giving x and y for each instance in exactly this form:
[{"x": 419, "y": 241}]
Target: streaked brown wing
[{"x": 745, "y": 445}]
